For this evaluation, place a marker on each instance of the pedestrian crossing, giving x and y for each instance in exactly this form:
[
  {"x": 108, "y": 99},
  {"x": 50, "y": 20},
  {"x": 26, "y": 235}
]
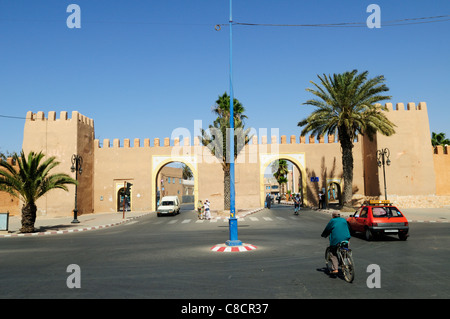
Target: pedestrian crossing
[{"x": 160, "y": 221}]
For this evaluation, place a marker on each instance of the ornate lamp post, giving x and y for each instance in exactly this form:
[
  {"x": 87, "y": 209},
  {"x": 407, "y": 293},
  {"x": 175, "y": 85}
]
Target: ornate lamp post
[
  {"x": 77, "y": 162},
  {"x": 383, "y": 158}
]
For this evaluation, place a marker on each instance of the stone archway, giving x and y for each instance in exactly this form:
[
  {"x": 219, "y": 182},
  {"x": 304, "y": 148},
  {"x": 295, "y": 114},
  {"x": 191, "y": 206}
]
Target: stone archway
[
  {"x": 334, "y": 191},
  {"x": 298, "y": 159},
  {"x": 158, "y": 162}
]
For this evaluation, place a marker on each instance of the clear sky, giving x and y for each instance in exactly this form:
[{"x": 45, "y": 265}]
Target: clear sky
[{"x": 141, "y": 69}]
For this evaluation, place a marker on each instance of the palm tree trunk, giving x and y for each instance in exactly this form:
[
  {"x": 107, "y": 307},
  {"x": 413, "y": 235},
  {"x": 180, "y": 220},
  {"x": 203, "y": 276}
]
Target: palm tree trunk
[
  {"x": 347, "y": 167},
  {"x": 28, "y": 218},
  {"x": 226, "y": 187}
]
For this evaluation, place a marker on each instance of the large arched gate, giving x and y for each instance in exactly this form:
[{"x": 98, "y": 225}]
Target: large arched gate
[
  {"x": 159, "y": 162},
  {"x": 297, "y": 159}
]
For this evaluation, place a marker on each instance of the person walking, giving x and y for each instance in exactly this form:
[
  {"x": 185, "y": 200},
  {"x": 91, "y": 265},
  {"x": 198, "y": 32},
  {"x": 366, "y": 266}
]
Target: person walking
[
  {"x": 320, "y": 200},
  {"x": 207, "y": 210},
  {"x": 296, "y": 204},
  {"x": 268, "y": 200}
]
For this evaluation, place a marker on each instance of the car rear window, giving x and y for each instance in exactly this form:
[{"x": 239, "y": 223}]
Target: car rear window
[
  {"x": 386, "y": 212},
  {"x": 167, "y": 203}
]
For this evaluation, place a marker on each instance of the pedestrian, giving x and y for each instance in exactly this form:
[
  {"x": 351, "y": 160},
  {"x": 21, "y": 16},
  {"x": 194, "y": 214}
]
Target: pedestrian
[
  {"x": 268, "y": 200},
  {"x": 320, "y": 200},
  {"x": 296, "y": 204},
  {"x": 297, "y": 201},
  {"x": 207, "y": 210},
  {"x": 200, "y": 209}
]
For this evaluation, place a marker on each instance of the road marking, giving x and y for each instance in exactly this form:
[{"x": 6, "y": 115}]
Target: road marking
[
  {"x": 268, "y": 219},
  {"x": 254, "y": 219},
  {"x": 281, "y": 218},
  {"x": 186, "y": 221},
  {"x": 200, "y": 221},
  {"x": 173, "y": 221}
]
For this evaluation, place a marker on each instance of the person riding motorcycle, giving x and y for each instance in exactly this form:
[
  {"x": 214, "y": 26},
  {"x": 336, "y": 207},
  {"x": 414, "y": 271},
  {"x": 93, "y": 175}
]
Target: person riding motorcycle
[{"x": 337, "y": 229}]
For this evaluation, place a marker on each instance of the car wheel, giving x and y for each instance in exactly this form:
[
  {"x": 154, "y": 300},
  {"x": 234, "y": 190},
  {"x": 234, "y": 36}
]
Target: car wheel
[
  {"x": 368, "y": 234},
  {"x": 403, "y": 236}
]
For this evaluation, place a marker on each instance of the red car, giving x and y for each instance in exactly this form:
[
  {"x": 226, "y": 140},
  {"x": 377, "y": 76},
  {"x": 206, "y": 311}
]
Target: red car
[{"x": 378, "y": 217}]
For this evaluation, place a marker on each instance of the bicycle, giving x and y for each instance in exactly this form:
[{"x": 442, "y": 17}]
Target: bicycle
[{"x": 345, "y": 260}]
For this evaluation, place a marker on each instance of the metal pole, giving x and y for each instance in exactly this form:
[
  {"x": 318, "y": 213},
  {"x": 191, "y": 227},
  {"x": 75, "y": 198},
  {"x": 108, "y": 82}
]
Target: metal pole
[
  {"x": 233, "y": 220},
  {"x": 382, "y": 162},
  {"x": 124, "y": 197},
  {"x": 76, "y": 162},
  {"x": 384, "y": 176}
]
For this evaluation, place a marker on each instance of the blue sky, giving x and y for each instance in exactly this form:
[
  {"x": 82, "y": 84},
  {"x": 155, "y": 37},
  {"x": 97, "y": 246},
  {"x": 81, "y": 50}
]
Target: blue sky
[{"x": 141, "y": 69}]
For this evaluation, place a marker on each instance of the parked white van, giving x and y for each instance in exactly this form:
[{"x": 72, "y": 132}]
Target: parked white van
[{"x": 169, "y": 205}]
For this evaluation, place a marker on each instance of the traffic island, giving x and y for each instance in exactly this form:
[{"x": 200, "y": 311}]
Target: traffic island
[{"x": 227, "y": 248}]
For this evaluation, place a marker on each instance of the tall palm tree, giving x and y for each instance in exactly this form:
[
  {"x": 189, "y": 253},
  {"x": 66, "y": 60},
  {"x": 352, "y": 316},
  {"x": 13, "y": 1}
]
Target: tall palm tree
[
  {"x": 216, "y": 139},
  {"x": 347, "y": 104},
  {"x": 30, "y": 182},
  {"x": 187, "y": 173},
  {"x": 222, "y": 108},
  {"x": 439, "y": 139},
  {"x": 280, "y": 171}
]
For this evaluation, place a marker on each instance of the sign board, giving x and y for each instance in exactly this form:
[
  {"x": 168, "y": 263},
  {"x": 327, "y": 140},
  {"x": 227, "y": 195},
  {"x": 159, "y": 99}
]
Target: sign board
[
  {"x": 315, "y": 179},
  {"x": 4, "y": 219}
]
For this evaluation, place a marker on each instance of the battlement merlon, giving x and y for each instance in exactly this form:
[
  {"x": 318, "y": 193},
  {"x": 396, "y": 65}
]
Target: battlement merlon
[
  {"x": 40, "y": 116},
  {"x": 441, "y": 150},
  {"x": 411, "y": 106}
]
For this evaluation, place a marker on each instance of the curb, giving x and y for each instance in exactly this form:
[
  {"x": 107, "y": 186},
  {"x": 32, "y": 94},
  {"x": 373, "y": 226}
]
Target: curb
[
  {"x": 226, "y": 248},
  {"x": 57, "y": 232}
]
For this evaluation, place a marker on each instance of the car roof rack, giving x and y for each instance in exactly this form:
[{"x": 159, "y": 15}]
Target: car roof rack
[{"x": 378, "y": 202}]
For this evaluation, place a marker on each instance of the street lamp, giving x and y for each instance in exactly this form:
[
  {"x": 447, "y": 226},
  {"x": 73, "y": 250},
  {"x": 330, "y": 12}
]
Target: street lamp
[
  {"x": 382, "y": 159},
  {"x": 77, "y": 162}
]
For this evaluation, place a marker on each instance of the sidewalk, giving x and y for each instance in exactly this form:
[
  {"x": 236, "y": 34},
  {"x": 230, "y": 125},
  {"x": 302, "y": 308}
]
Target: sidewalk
[
  {"x": 61, "y": 225},
  {"x": 48, "y": 226}
]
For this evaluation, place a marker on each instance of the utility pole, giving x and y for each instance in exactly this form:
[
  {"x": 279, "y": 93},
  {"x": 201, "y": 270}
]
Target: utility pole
[{"x": 234, "y": 241}]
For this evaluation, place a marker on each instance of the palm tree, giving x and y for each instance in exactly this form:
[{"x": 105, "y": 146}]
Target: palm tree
[
  {"x": 347, "y": 104},
  {"x": 187, "y": 173},
  {"x": 280, "y": 171},
  {"x": 30, "y": 182},
  {"x": 216, "y": 139},
  {"x": 222, "y": 108},
  {"x": 439, "y": 139}
]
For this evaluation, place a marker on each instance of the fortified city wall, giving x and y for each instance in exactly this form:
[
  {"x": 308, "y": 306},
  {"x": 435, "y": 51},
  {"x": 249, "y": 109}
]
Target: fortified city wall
[{"x": 417, "y": 176}]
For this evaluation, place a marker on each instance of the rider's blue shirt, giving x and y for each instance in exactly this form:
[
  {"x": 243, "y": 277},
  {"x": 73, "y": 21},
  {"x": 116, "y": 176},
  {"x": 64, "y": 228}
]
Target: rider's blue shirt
[{"x": 337, "y": 228}]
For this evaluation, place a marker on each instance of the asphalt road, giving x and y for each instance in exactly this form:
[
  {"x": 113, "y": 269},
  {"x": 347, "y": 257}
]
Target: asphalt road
[{"x": 170, "y": 257}]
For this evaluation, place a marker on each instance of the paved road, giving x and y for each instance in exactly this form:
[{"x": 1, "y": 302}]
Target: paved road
[{"x": 170, "y": 257}]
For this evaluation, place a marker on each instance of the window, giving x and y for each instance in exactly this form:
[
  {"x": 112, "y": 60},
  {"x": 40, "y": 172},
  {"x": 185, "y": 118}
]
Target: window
[
  {"x": 364, "y": 212},
  {"x": 168, "y": 180}
]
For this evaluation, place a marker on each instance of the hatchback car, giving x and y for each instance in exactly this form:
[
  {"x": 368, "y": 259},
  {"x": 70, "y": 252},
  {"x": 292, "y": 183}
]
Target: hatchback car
[{"x": 378, "y": 217}]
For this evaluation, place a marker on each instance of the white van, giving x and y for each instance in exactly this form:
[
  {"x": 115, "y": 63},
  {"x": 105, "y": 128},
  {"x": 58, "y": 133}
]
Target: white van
[{"x": 169, "y": 205}]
